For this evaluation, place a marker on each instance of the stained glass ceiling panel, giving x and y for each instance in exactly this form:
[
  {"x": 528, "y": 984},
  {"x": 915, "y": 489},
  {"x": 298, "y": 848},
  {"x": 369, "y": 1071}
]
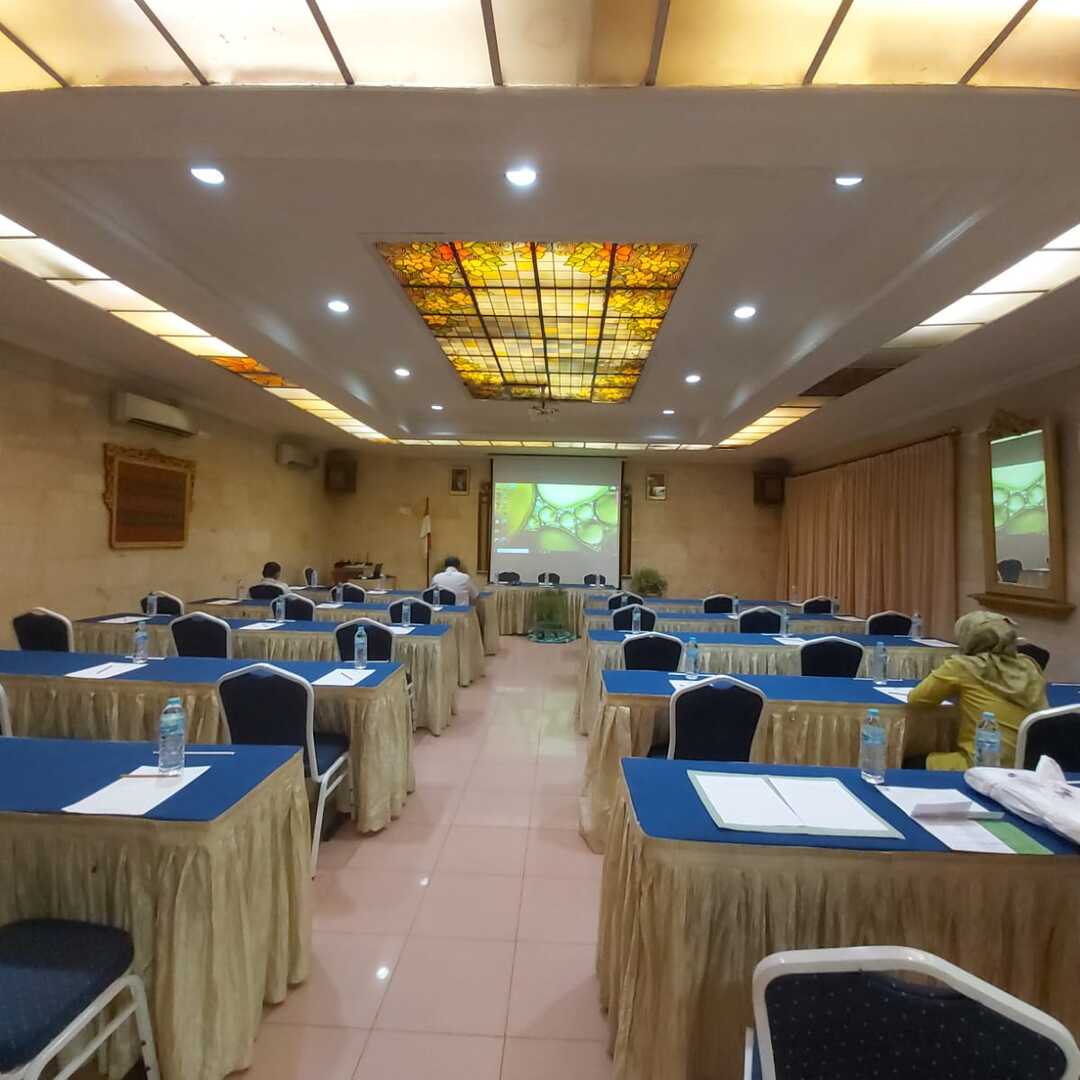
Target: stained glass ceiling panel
[
  {"x": 1043, "y": 50},
  {"x": 572, "y": 321}
]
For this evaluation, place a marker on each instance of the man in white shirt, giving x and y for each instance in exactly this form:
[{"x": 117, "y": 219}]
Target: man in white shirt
[
  {"x": 272, "y": 574},
  {"x": 458, "y": 582}
]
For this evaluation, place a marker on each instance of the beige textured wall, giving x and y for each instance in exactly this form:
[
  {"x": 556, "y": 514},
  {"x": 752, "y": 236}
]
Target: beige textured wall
[{"x": 53, "y": 531}]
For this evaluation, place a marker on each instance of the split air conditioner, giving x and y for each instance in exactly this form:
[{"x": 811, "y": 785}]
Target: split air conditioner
[{"x": 133, "y": 409}]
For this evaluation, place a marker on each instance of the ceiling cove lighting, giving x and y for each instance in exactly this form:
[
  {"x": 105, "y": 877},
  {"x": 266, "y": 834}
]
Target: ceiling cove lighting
[
  {"x": 207, "y": 174},
  {"x": 563, "y": 321},
  {"x": 847, "y": 181},
  {"x": 521, "y": 176},
  {"x": 1053, "y": 265},
  {"x": 745, "y": 311},
  {"x": 63, "y": 271},
  {"x": 339, "y": 307},
  {"x": 773, "y": 421}
]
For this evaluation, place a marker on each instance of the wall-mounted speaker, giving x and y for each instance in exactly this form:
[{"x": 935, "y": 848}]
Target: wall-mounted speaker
[
  {"x": 769, "y": 479},
  {"x": 340, "y": 475}
]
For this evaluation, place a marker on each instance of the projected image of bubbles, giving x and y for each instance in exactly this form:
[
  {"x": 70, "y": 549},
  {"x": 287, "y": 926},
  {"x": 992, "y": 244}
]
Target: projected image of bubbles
[{"x": 551, "y": 518}]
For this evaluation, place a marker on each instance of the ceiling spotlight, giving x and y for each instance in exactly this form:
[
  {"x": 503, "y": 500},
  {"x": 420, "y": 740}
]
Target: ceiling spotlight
[
  {"x": 693, "y": 378},
  {"x": 848, "y": 181},
  {"x": 337, "y": 306},
  {"x": 207, "y": 174},
  {"x": 522, "y": 176},
  {"x": 668, "y": 412},
  {"x": 437, "y": 408},
  {"x": 745, "y": 311},
  {"x": 402, "y": 372}
]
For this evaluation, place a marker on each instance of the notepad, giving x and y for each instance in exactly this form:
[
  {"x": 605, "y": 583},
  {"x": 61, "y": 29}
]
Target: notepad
[
  {"x": 223, "y": 603},
  {"x": 785, "y": 639},
  {"x": 897, "y": 693},
  {"x": 125, "y": 619},
  {"x": 401, "y": 629},
  {"x": 262, "y": 625},
  {"x": 344, "y": 677},
  {"x": 136, "y": 795},
  {"x": 108, "y": 670},
  {"x": 329, "y": 605},
  {"x": 964, "y": 834}
]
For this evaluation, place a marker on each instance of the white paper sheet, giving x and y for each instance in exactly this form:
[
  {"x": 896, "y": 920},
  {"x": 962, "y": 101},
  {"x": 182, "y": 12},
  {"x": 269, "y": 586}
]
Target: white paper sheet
[
  {"x": 934, "y": 643},
  {"x": 329, "y": 605},
  {"x": 786, "y": 639},
  {"x": 223, "y": 603},
  {"x": 132, "y": 797},
  {"x": 744, "y": 802},
  {"x": 824, "y": 804},
  {"x": 376, "y": 592},
  {"x": 125, "y": 619},
  {"x": 964, "y": 835},
  {"x": 436, "y": 607},
  {"x": 401, "y": 629},
  {"x": 263, "y": 625},
  {"x": 849, "y": 618},
  {"x": 678, "y": 684},
  {"x": 897, "y": 693},
  {"x": 108, "y": 670},
  {"x": 344, "y": 677}
]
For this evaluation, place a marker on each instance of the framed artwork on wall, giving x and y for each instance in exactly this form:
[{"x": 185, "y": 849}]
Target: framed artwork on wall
[
  {"x": 656, "y": 486},
  {"x": 459, "y": 480},
  {"x": 148, "y": 496}
]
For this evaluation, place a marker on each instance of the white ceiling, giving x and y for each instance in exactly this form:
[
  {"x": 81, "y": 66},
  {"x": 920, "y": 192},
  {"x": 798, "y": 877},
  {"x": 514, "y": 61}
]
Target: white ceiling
[{"x": 959, "y": 184}]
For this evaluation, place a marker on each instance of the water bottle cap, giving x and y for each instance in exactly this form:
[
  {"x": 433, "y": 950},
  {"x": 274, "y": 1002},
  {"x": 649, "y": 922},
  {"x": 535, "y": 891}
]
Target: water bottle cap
[
  {"x": 173, "y": 701},
  {"x": 872, "y": 712}
]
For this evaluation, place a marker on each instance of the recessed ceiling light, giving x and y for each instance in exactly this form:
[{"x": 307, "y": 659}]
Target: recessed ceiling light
[
  {"x": 847, "y": 181},
  {"x": 693, "y": 378},
  {"x": 668, "y": 412},
  {"x": 338, "y": 306},
  {"x": 207, "y": 174},
  {"x": 745, "y": 311},
  {"x": 437, "y": 408},
  {"x": 521, "y": 176},
  {"x": 402, "y": 372}
]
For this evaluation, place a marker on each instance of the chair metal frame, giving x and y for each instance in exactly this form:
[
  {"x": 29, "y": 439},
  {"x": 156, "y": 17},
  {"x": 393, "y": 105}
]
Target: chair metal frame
[
  {"x": 328, "y": 781},
  {"x": 67, "y": 623},
  {"x": 655, "y": 634},
  {"x": 5, "y": 715},
  {"x": 159, "y": 593},
  {"x": 305, "y": 601},
  {"x": 1031, "y": 720},
  {"x": 821, "y": 641},
  {"x": 761, "y": 607},
  {"x": 712, "y": 680},
  {"x": 414, "y": 600},
  {"x": 718, "y": 596},
  {"x": 896, "y": 958},
  {"x": 630, "y": 608},
  {"x": 201, "y": 616},
  {"x": 901, "y": 614}
]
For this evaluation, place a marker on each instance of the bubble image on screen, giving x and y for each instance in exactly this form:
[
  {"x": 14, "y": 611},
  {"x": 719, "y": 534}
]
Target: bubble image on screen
[{"x": 553, "y": 519}]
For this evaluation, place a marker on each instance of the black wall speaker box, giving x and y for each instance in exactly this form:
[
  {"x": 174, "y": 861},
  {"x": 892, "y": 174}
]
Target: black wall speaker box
[
  {"x": 769, "y": 489},
  {"x": 340, "y": 475}
]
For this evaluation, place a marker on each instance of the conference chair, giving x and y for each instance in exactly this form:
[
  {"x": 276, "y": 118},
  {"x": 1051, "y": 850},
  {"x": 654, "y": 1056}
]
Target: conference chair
[
  {"x": 1037, "y": 653},
  {"x": 266, "y": 592},
  {"x": 549, "y": 577},
  {"x": 199, "y": 634},
  {"x": 266, "y": 706},
  {"x": 299, "y": 607},
  {"x": 818, "y": 605},
  {"x": 167, "y": 604},
  {"x": 439, "y": 596},
  {"x": 381, "y": 646},
  {"x": 718, "y": 604},
  {"x": 595, "y": 579},
  {"x": 5, "y": 715},
  {"x": 622, "y": 599},
  {"x": 311, "y": 576},
  {"x": 834, "y": 657},
  {"x": 1054, "y": 732},
  {"x": 353, "y": 594},
  {"x": 652, "y": 652},
  {"x": 623, "y": 619},
  {"x": 376, "y": 570},
  {"x": 889, "y": 624},
  {"x": 760, "y": 620},
  {"x": 887, "y": 1010},
  {"x": 508, "y": 577},
  {"x": 60, "y": 981},
  {"x": 713, "y": 720},
  {"x": 42, "y": 630},
  {"x": 1009, "y": 570},
  {"x": 420, "y": 614}
]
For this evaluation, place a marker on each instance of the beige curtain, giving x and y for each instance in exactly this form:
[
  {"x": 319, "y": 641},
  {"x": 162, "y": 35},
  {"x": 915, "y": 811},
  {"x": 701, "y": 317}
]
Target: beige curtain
[{"x": 878, "y": 533}]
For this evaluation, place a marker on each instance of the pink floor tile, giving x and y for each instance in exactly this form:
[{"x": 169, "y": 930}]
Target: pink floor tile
[
  {"x": 431, "y": 803},
  {"x": 554, "y": 993},
  {"x": 558, "y": 776},
  {"x": 494, "y": 808},
  {"x": 559, "y": 909},
  {"x": 555, "y": 812},
  {"x": 349, "y": 976},
  {"x": 469, "y": 906},
  {"x": 401, "y": 1055},
  {"x": 477, "y": 850},
  {"x": 286, "y": 1052},
  {"x": 560, "y": 853},
  {"x": 548, "y": 1059},
  {"x": 502, "y": 774},
  {"x": 367, "y": 901},
  {"x": 449, "y": 986},
  {"x": 397, "y": 847}
]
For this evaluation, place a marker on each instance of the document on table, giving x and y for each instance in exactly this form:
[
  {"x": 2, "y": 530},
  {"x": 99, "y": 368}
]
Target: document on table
[
  {"x": 786, "y": 639},
  {"x": 934, "y": 643},
  {"x": 137, "y": 794},
  {"x": 849, "y": 618},
  {"x": 349, "y": 676},
  {"x": 810, "y": 805},
  {"x": 376, "y": 592},
  {"x": 263, "y": 625},
  {"x": 957, "y": 834},
  {"x": 678, "y": 684},
  {"x": 897, "y": 693},
  {"x": 125, "y": 619},
  {"x": 223, "y": 603},
  {"x": 401, "y": 629},
  {"x": 108, "y": 670},
  {"x": 329, "y": 605}
]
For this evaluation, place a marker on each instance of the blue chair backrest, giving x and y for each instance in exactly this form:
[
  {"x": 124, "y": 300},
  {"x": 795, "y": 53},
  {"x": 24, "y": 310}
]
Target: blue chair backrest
[
  {"x": 760, "y": 621},
  {"x": 714, "y": 721},
  {"x": 652, "y": 652},
  {"x": 310, "y": 575},
  {"x": 1009, "y": 570},
  {"x": 264, "y": 708},
  {"x": 720, "y": 604},
  {"x": 380, "y": 640},
  {"x": 622, "y": 599},
  {"x": 889, "y": 623},
  {"x": 201, "y": 635},
  {"x": 595, "y": 579},
  {"x": 1058, "y": 736},
  {"x": 509, "y": 577},
  {"x": 299, "y": 607},
  {"x": 623, "y": 619},
  {"x": 438, "y": 596},
  {"x": 819, "y": 605},
  {"x": 831, "y": 657},
  {"x": 42, "y": 631},
  {"x": 266, "y": 592},
  {"x": 353, "y": 594},
  {"x": 1037, "y": 653},
  {"x": 420, "y": 614},
  {"x": 166, "y": 604},
  {"x": 549, "y": 577}
]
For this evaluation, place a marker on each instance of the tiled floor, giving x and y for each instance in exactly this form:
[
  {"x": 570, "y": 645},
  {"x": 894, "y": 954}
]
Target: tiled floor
[{"x": 459, "y": 943}]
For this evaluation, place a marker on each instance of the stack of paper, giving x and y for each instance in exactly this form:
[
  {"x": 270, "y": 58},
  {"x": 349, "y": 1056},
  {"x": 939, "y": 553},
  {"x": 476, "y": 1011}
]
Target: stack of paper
[
  {"x": 939, "y": 812},
  {"x": 108, "y": 670},
  {"x": 344, "y": 676},
  {"x": 897, "y": 693},
  {"x": 376, "y": 592},
  {"x": 263, "y": 625},
  {"x": 136, "y": 794},
  {"x": 329, "y": 605},
  {"x": 849, "y": 618},
  {"x": 401, "y": 629},
  {"x": 787, "y": 639},
  {"x": 223, "y": 603}
]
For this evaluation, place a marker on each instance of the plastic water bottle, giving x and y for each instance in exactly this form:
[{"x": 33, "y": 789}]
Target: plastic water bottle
[
  {"x": 834, "y": 605},
  {"x": 872, "y": 748},
  {"x": 987, "y": 742},
  {"x": 879, "y": 664},
  {"x": 693, "y": 657},
  {"x": 172, "y": 733},
  {"x": 735, "y": 605},
  {"x": 635, "y": 619},
  {"x": 360, "y": 648},
  {"x": 406, "y": 613},
  {"x": 277, "y": 608},
  {"x": 794, "y": 594},
  {"x": 784, "y": 622},
  {"x": 916, "y": 625},
  {"x": 314, "y": 579},
  {"x": 336, "y": 593},
  {"x": 141, "y": 650},
  {"x": 151, "y": 605}
]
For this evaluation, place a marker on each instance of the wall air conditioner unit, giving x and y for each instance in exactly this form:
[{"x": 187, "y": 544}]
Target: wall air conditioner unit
[
  {"x": 295, "y": 457},
  {"x": 133, "y": 409}
]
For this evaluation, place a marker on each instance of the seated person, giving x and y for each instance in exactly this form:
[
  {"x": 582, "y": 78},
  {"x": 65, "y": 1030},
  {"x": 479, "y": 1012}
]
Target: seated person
[
  {"x": 454, "y": 579},
  {"x": 272, "y": 574},
  {"x": 988, "y": 676}
]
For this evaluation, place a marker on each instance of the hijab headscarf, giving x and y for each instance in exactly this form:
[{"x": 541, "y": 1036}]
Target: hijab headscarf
[{"x": 988, "y": 646}]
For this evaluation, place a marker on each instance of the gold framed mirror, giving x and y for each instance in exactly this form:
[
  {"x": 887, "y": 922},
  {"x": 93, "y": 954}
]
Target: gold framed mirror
[{"x": 1023, "y": 547}]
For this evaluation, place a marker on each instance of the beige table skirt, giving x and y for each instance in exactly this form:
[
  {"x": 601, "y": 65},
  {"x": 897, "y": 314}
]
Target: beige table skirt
[
  {"x": 674, "y": 622},
  {"x": 516, "y": 606},
  {"x": 682, "y": 926},
  {"x": 219, "y": 911},
  {"x": 376, "y": 721},
  {"x": 487, "y": 611},
  {"x": 912, "y": 662},
  {"x": 789, "y": 733}
]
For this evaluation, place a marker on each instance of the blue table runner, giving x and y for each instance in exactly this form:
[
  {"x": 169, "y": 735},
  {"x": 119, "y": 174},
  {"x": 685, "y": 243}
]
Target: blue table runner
[{"x": 770, "y": 639}]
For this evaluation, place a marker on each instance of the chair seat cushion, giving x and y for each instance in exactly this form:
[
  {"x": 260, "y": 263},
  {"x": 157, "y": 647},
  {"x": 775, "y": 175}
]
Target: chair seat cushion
[
  {"x": 328, "y": 748},
  {"x": 50, "y": 970}
]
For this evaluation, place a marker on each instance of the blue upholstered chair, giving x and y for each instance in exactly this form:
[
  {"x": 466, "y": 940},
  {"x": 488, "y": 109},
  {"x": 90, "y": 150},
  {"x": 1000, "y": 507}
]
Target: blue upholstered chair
[
  {"x": 549, "y": 577},
  {"x": 1037, "y": 653},
  {"x": 353, "y": 594},
  {"x": 199, "y": 634},
  {"x": 266, "y": 706},
  {"x": 311, "y": 576},
  {"x": 299, "y": 607},
  {"x": 622, "y": 599},
  {"x": 59, "y": 983},
  {"x": 595, "y": 579},
  {"x": 420, "y": 614},
  {"x": 266, "y": 592},
  {"x": 380, "y": 640},
  {"x": 623, "y": 618},
  {"x": 834, "y": 657},
  {"x": 714, "y": 720},
  {"x": 376, "y": 570},
  {"x": 818, "y": 605},
  {"x": 5, "y": 715},
  {"x": 167, "y": 604},
  {"x": 508, "y": 577},
  {"x": 760, "y": 620},
  {"x": 891, "y": 623},
  {"x": 438, "y": 596},
  {"x": 849, "y": 1014},
  {"x": 1054, "y": 732},
  {"x": 1009, "y": 570},
  {"x": 718, "y": 604},
  {"x": 652, "y": 652},
  {"x": 42, "y": 630}
]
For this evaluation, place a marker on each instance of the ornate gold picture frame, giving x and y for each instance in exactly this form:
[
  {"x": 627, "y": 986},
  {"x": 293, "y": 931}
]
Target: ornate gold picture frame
[{"x": 148, "y": 496}]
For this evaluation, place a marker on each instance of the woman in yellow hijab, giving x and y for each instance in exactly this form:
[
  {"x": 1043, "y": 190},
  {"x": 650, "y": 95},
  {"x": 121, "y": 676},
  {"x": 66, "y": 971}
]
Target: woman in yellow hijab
[{"x": 989, "y": 675}]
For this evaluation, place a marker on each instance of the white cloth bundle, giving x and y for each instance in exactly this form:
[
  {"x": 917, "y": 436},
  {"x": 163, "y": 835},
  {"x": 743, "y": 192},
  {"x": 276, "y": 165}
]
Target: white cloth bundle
[{"x": 1042, "y": 797}]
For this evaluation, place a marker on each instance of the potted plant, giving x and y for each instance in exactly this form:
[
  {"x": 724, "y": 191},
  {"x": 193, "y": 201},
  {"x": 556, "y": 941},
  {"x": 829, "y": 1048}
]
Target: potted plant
[{"x": 648, "y": 582}]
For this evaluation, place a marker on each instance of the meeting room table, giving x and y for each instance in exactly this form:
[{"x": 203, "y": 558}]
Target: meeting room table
[
  {"x": 516, "y": 604},
  {"x": 747, "y": 654},
  {"x": 688, "y": 909},
  {"x": 692, "y": 622},
  {"x": 213, "y": 883},
  {"x": 70, "y": 696}
]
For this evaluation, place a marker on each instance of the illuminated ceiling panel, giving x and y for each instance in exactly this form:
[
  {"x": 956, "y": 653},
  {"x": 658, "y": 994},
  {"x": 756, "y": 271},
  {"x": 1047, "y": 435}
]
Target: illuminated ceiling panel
[
  {"x": 912, "y": 41},
  {"x": 1044, "y": 50},
  {"x": 1040, "y": 271},
  {"x": 108, "y": 295},
  {"x": 773, "y": 421},
  {"x": 42, "y": 259},
  {"x": 19, "y": 72},
  {"x": 570, "y": 321},
  {"x": 981, "y": 308}
]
